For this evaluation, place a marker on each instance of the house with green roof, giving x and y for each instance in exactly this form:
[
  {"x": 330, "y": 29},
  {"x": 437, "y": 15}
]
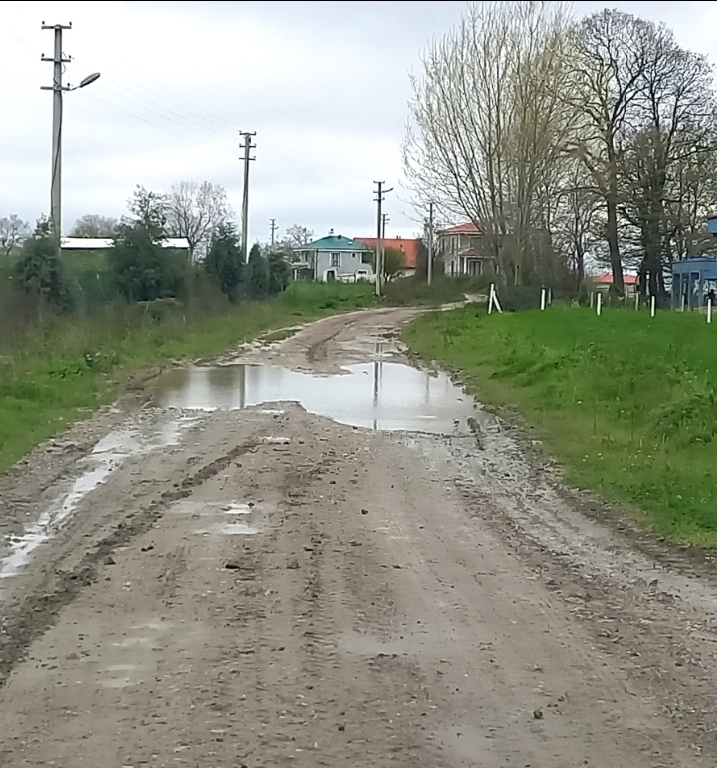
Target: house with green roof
[{"x": 336, "y": 257}]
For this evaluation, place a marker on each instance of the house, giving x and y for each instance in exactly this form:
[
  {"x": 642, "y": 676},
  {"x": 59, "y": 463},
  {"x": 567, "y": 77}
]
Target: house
[
  {"x": 102, "y": 243},
  {"x": 603, "y": 283},
  {"x": 409, "y": 246},
  {"x": 336, "y": 257},
  {"x": 459, "y": 249}
]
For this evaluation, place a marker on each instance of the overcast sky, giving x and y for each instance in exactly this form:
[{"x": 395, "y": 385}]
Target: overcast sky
[{"x": 324, "y": 84}]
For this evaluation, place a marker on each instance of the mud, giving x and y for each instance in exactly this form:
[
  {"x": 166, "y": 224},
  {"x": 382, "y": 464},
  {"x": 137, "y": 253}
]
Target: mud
[{"x": 312, "y": 553}]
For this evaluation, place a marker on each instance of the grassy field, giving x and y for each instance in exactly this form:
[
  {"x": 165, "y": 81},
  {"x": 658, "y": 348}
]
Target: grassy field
[
  {"x": 627, "y": 403},
  {"x": 69, "y": 365}
]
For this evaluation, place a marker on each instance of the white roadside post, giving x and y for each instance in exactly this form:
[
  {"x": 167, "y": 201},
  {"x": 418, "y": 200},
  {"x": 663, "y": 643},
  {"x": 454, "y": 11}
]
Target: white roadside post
[
  {"x": 592, "y": 299},
  {"x": 490, "y": 298},
  {"x": 652, "y": 306},
  {"x": 542, "y": 299},
  {"x": 709, "y": 309},
  {"x": 637, "y": 301},
  {"x": 599, "y": 304}
]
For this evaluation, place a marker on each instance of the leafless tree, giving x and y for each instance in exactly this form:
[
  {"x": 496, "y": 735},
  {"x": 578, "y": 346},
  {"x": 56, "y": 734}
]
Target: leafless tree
[
  {"x": 608, "y": 61},
  {"x": 675, "y": 123},
  {"x": 94, "y": 225},
  {"x": 296, "y": 235},
  {"x": 12, "y": 231},
  {"x": 195, "y": 210},
  {"x": 487, "y": 123}
]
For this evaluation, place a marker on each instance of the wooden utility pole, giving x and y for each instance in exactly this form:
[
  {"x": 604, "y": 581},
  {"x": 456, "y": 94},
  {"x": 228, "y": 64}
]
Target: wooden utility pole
[{"x": 379, "y": 192}]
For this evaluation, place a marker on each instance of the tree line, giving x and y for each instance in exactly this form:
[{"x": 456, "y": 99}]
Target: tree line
[
  {"x": 143, "y": 267},
  {"x": 564, "y": 139}
]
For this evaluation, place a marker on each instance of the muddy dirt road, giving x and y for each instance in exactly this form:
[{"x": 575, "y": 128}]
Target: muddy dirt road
[{"x": 210, "y": 574}]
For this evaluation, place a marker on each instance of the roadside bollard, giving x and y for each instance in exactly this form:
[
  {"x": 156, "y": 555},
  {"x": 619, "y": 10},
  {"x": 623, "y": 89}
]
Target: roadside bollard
[
  {"x": 542, "y": 299},
  {"x": 599, "y": 304},
  {"x": 652, "y": 306}
]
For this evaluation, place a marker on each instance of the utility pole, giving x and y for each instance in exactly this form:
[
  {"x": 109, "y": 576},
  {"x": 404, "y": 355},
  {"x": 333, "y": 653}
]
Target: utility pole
[
  {"x": 247, "y": 146},
  {"x": 57, "y": 88},
  {"x": 273, "y": 230},
  {"x": 429, "y": 269},
  {"x": 384, "y": 219},
  {"x": 379, "y": 192}
]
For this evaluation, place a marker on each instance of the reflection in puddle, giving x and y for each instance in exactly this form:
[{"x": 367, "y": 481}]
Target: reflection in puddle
[
  {"x": 108, "y": 455},
  {"x": 378, "y": 395}
]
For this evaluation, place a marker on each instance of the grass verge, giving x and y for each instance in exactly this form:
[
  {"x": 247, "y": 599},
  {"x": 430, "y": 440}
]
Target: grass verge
[
  {"x": 72, "y": 364},
  {"x": 626, "y": 403}
]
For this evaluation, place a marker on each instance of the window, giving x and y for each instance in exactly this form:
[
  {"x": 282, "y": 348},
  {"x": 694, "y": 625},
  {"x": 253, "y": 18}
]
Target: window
[{"x": 335, "y": 259}]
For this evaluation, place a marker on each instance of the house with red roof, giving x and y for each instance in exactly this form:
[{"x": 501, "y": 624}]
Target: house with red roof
[
  {"x": 409, "y": 246},
  {"x": 459, "y": 249},
  {"x": 603, "y": 283}
]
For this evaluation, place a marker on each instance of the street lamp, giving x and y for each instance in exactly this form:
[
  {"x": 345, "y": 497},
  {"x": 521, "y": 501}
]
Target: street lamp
[{"x": 57, "y": 88}]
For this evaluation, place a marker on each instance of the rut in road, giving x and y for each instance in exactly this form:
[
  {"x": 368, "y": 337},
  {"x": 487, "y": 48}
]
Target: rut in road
[{"x": 275, "y": 587}]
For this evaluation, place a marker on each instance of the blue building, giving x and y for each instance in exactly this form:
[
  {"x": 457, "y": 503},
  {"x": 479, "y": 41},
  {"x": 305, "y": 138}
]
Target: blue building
[
  {"x": 692, "y": 281},
  {"x": 695, "y": 279}
]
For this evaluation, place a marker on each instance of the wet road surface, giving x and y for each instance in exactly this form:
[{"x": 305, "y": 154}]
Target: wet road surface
[{"x": 313, "y": 553}]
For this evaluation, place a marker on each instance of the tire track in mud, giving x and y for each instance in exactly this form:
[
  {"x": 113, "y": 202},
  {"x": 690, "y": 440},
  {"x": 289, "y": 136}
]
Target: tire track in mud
[{"x": 33, "y": 615}]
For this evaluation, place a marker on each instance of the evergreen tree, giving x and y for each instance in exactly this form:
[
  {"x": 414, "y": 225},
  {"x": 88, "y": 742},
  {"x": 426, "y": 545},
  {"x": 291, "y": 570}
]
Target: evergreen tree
[
  {"x": 278, "y": 273},
  {"x": 144, "y": 269},
  {"x": 257, "y": 279},
  {"x": 224, "y": 258},
  {"x": 39, "y": 270}
]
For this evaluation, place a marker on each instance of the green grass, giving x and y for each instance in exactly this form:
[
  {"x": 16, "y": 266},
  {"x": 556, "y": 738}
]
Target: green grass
[
  {"x": 626, "y": 403},
  {"x": 70, "y": 365}
]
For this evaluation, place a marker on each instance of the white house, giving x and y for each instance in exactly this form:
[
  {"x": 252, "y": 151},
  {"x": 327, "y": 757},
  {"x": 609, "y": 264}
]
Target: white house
[{"x": 336, "y": 257}]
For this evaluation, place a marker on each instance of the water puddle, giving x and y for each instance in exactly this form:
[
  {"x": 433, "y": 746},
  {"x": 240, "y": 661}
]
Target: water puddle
[
  {"x": 379, "y": 395},
  {"x": 109, "y": 454}
]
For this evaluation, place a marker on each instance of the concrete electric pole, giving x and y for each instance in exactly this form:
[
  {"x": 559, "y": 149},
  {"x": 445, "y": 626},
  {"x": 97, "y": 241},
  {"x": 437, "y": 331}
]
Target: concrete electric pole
[
  {"x": 247, "y": 146},
  {"x": 56, "y": 168},
  {"x": 380, "y": 192},
  {"x": 57, "y": 88},
  {"x": 274, "y": 227},
  {"x": 429, "y": 266}
]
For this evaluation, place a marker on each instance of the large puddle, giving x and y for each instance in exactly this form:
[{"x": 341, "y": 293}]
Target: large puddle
[
  {"x": 378, "y": 395},
  {"x": 108, "y": 455}
]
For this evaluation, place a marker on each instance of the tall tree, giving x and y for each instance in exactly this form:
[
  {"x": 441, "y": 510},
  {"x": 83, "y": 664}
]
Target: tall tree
[
  {"x": 608, "y": 62},
  {"x": 145, "y": 270},
  {"x": 224, "y": 258},
  {"x": 487, "y": 124},
  {"x": 257, "y": 273},
  {"x": 195, "y": 210}
]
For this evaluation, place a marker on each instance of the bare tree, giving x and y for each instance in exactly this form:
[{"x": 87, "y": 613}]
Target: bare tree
[
  {"x": 94, "y": 225},
  {"x": 675, "y": 123},
  {"x": 296, "y": 235},
  {"x": 609, "y": 60},
  {"x": 12, "y": 231},
  {"x": 487, "y": 124},
  {"x": 195, "y": 211}
]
